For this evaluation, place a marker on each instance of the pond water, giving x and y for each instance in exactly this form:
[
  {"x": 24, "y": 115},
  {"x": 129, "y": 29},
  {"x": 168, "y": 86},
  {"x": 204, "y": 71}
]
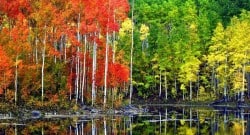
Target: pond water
[{"x": 159, "y": 120}]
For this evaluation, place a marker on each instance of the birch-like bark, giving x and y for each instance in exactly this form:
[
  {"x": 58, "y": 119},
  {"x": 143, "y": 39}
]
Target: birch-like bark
[
  {"x": 84, "y": 66},
  {"x": 114, "y": 46},
  {"x": 70, "y": 88},
  {"x": 160, "y": 85},
  {"x": 105, "y": 126},
  {"x": 93, "y": 73},
  {"x": 106, "y": 60},
  {"x": 225, "y": 80},
  {"x": 166, "y": 86},
  {"x": 198, "y": 87},
  {"x": 106, "y": 70},
  {"x": 77, "y": 129},
  {"x": 77, "y": 75},
  {"x": 243, "y": 80},
  {"x": 77, "y": 58},
  {"x": 65, "y": 51},
  {"x": 190, "y": 90},
  {"x": 16, "y": 75},
  {"x": 43, "y": 60},
  {"x": 93, "y": 127},
  {"x": 131, "y": 55},
  {"x": 36, "y": 55}
]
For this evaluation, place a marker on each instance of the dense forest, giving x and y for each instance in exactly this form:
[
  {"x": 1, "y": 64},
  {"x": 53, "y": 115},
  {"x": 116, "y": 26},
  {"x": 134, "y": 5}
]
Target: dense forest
[{"x": 111, "y": 52}]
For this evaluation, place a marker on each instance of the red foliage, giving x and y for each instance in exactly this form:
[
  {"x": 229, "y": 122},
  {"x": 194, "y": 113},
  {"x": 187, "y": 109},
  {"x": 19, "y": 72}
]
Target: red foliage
[
  {"x": 13, "y": 8},
  {"x": 118, "y": 74}
]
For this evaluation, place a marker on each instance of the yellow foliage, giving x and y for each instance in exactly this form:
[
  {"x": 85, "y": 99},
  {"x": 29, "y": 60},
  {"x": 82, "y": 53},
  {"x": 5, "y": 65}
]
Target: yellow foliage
[
  {"x": 182, "y": 122},
  {"x": 144, "y": 31},
  {"x": 237, "y": 128},
  {"x": 126, "y": 27}
]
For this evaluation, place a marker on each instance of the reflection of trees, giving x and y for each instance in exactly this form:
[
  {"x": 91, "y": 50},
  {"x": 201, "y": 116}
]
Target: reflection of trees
[
  {"x": 45, "y": 127},
  {"x": 184, "y": 121}
]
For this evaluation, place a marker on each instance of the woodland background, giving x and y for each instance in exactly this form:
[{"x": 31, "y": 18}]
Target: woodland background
[{"x": 109, "y": 52}]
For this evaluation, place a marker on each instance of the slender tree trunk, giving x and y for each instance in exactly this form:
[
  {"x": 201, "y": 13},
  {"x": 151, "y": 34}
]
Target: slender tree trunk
[
  {"x": 106, "y": 70},
  {"x": 175, "y": 83},
  {"x": 166, "y": 87},
  {"x": 130, "y": 125},
  {"x": 198, "y": 87},
  {"x": 84, "y": 65},
  {"x": 36, "y": 55},
  {"x": 94, "y": 72},
  {"x": 80, "y": 79},
  {"x": 65, "y": 50},
  {"x": 190, "y": 90},
  {"x": 106, "y": 60},
  {"x": 105, "y": 126},
  {"x": 131, "y": 55},
  {"x": 114, "y": 46},
  {"x": 166, "y": 118},
  {"x": 43, "y": 60},
  {"x": 82, "y": 130},
  {"x": 70, "y": 88},
  {"x": 183, "y": 95},
  {"x": 225, "y": 81},
  {"x": 160, "y": 85},
  {"x": 16, "y": 81},
  {"x": 243, "y": 82},
  {"x": 248, "y": 84},
  {"x": 61, "y": 48},
  {"x": 76, "y": 130},
  {"x": 55, "y": 44},
  {"x": 77, "y": 58},
  {"x": 77, "y": 75},
  {"x": 213, "y": 81},
  {"x": 190, "y": 117},
  {"x": 160, "y": 122},
  {"x": 93, "y": 127}
]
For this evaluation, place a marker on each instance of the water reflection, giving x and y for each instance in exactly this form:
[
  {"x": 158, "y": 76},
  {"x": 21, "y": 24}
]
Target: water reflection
[{"x": 159, "y": 121}]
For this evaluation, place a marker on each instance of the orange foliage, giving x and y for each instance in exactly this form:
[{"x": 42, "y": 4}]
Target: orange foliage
[{"x": 6, "y": 74}]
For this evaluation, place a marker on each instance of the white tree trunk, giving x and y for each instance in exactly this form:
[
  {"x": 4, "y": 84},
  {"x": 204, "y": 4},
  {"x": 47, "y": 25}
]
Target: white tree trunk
[
  {"x": 77, "y": 76},
  {"x": 77, "y": 58},
  {"x": 93, "y": 73},
  {"x": 106, "y": 70},
  {"x": 105, "y": 125},
  {"x": 190, "y": 90},
  {"x": 36, "y": 55},
  {"x": 16, "y": 75},
  {"x": 198, "y": 86},
  {"x": 65, "y": 50},
  {"x": 84, "y": 66},
  {"x": 243, "y": 81},
  {"x": 43, "y": 60},
  {"x": 131, "y": 55},
  {"x": 70, "y": 88},
  {"x": 93, "y": 127},
  {"x": 166, "y": 87},
  {"x": 160, "y": 85}
]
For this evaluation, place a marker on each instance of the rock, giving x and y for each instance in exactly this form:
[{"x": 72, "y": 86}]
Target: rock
[{"x": 36, "y": 114}]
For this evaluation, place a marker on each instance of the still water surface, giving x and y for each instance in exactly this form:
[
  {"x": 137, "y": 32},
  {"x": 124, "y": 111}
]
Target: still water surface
[{"x": 159, "y": 120}]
